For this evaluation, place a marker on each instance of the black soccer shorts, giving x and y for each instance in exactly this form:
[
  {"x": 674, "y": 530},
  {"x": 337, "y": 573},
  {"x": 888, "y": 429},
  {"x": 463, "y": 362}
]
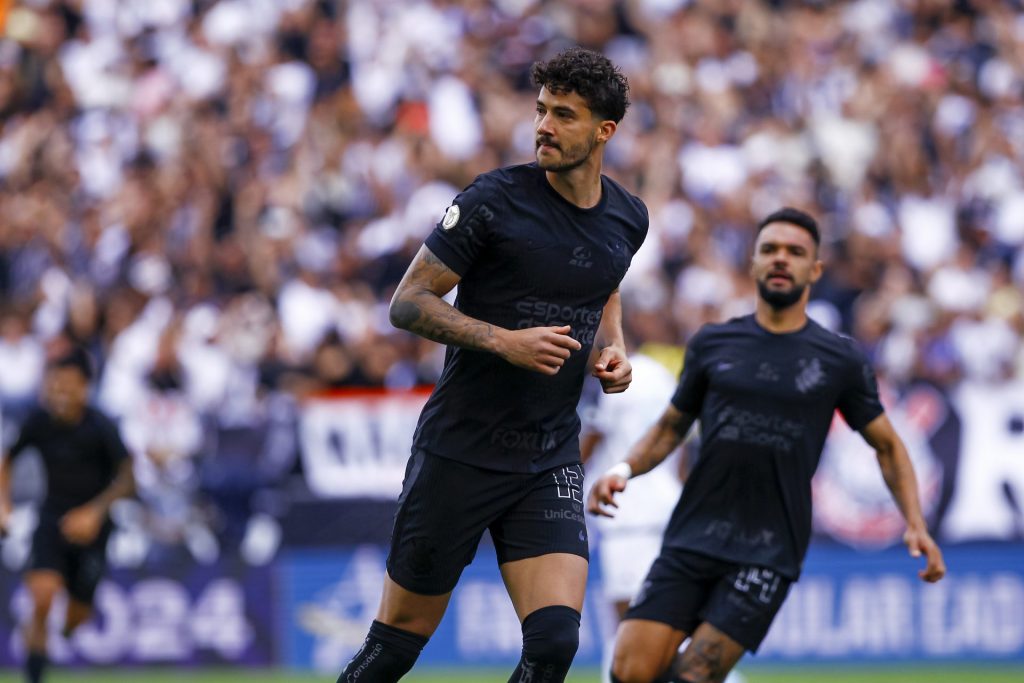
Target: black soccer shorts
[
  {"x": 683, "y": 589},
  {"x": 82, "y": 566},
  {"x": 446, "y": 505}
]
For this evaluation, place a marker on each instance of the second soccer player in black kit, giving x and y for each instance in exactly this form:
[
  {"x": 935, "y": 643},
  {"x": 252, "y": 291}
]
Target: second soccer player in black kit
[
  {"x": 765, "y": 388},
  {"x": 87, "y": 469},
  {"x": 537, "y": 252}
]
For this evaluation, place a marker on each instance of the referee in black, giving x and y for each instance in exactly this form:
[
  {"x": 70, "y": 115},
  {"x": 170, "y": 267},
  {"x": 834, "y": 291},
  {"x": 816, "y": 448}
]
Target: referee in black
[
  {"x": 537, "y": 252},
  {"x": 87, "y": 468},
  {"x": 765, "y": 388}
]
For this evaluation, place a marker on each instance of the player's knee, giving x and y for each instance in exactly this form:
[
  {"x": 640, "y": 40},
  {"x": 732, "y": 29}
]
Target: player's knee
[
  {"x": 552, "y": 635},
  {"x": 43, "y": 594},
  {"x": 629, "y": 668}
]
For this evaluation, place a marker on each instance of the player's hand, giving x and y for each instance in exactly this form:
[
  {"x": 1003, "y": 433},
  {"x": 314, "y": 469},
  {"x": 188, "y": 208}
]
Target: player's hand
[
  {"x": 613, "y": 369},
  {"x": 541, "y": 349},
  {"x": 919, "y": 541},
  {"x": 82, "y": 524},
  {"x": 602, "y": 495}
]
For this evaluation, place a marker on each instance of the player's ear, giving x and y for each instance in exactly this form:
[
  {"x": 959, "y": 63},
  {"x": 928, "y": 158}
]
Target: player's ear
[
  {"x": 606, "y": 129},
  {"x": 817, "y": 270}
]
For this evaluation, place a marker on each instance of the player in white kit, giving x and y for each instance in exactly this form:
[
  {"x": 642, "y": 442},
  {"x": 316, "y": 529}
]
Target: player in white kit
[{"x": 629, "y": 543}]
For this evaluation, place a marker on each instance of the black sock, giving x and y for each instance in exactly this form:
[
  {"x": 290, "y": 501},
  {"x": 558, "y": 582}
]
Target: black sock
[
  {"x": 34, "y": 666},
  {"x": 551, "y": 636},
  {"x": 387, "y": 654}
]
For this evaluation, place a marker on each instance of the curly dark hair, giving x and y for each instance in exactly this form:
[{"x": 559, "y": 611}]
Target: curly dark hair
[{"x": 590, "y": 75}]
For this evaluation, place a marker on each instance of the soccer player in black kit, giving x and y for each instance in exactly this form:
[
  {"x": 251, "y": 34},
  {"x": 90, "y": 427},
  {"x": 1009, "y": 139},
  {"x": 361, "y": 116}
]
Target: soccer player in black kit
[
  {"x": 537, "y": 252},
  {"x": 87, "y": 469},
  {"x": 765, "y": 388}
]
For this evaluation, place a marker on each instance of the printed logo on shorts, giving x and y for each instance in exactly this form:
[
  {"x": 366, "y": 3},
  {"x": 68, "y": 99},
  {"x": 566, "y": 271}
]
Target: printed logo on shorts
[{"x": 451, "y": 217}]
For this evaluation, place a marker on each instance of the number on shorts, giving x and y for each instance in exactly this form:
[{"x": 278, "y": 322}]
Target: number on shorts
[{"x": 764, "y": 581}]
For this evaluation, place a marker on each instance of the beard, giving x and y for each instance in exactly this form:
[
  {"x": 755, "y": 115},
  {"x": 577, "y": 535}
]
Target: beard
[
  {"x": 780, "y": 299},
  {"x": 573, "y": 157}
]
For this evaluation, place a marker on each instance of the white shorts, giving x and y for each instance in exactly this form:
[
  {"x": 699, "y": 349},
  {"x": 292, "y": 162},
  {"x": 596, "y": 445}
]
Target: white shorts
[{"x": 625, "y": 559}]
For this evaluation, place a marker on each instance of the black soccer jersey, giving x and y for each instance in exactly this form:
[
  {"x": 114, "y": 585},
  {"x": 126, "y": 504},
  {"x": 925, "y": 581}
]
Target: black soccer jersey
[
  {"x": 765, "y": 403},
  {"x": 81, "y": 460},
  {"x": 527, "y": 257}
]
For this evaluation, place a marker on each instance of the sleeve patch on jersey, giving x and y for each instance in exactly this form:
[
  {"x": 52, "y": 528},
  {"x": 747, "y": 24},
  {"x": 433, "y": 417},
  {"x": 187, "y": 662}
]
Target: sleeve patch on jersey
[{"x": 451, "y": 217}]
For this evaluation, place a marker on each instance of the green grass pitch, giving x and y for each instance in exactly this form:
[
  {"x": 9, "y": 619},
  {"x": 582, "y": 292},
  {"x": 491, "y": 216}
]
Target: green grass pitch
[{"x": 959, "y": 673}]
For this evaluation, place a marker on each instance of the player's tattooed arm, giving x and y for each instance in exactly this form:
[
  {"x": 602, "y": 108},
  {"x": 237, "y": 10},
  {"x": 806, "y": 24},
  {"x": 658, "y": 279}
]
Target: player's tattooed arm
[
  {"x": 660, "y": 441},
  {"x": 83, "y": 524},
  {"x": 898, "y": 472},
  {"x": 418, "y": 307}
]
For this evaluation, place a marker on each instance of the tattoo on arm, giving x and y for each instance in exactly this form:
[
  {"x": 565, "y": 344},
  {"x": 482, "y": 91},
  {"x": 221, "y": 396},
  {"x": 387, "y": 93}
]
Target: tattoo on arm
[
  {"x": 419, "y": 308},
  {"x": 660, "y": 440}
]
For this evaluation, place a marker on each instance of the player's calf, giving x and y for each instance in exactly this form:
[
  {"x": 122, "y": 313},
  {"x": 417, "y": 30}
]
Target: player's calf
[
  {"x": 551, "y": 636},
  {"x": 387, "y": 654}
]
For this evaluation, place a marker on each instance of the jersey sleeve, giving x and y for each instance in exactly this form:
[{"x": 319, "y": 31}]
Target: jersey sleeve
[
  {"x": 693, "y": 380},
  {"x": 113, "y": 444},
  {"x": 859, "y": 403},
  {"x": 463, "y": 232},
  {"x": 27, "y": 435}
]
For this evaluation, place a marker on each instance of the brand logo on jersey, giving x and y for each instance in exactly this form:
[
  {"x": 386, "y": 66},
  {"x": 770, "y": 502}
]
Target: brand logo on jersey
[
  {"x": 451, "y": 217},
  {"x": 525, "y": 440},
  {"x": 581, "y": 258},
  {"x": 811, "y": 375}
]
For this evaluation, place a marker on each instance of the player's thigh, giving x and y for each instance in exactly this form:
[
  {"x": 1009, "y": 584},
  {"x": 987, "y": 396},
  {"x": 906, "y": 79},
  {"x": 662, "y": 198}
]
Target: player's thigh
[
  {"x": 444, "y": 508},
  {"x": 644, "y": 649},
  {"x": 411, "y": 611},
  {"x": 709, "y": 657},
  {"x": 545, "y": 580}
]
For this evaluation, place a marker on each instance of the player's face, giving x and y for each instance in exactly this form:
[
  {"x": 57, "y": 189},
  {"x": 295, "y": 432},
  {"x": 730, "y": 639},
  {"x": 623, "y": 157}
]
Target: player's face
[
  {"x": 65, "y": 393},
  {"x": 785, "y": 264},
  {"x": 566, "y": 131}
]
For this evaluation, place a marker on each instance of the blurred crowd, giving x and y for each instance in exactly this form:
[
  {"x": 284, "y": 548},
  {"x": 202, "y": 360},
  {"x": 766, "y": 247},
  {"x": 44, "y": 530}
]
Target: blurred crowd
[{"x": 217, "y": 197}]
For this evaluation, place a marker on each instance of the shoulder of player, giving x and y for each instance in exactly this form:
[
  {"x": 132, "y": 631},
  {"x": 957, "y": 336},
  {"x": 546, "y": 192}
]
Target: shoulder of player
[
  {"x": 725, "y": 328},
  {"x": 645, "y": 367},
  {"x": 622, "y": 196},
  {"x": 37, "y": 421},
  {"x": 843, "y": 343},
  {"x": 99, "y": 419},
  {"x": 500, "y": 180}
]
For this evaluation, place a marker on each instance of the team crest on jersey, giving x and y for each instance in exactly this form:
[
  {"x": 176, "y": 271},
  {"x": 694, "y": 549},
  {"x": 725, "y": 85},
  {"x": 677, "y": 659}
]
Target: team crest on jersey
[
  {"x": 811, "y": 375},
  {"x": 451, "y": 217}
]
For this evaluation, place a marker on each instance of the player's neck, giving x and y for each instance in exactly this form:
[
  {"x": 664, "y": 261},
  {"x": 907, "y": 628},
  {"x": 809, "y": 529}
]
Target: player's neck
[
  {"x": 580, "y": 186},
  {"x": 781, "y": 320},
  {"x": 70, "y": 417}
]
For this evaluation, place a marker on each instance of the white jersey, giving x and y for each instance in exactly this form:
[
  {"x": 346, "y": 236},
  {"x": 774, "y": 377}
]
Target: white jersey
[{"x": 622, "y": 419}]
